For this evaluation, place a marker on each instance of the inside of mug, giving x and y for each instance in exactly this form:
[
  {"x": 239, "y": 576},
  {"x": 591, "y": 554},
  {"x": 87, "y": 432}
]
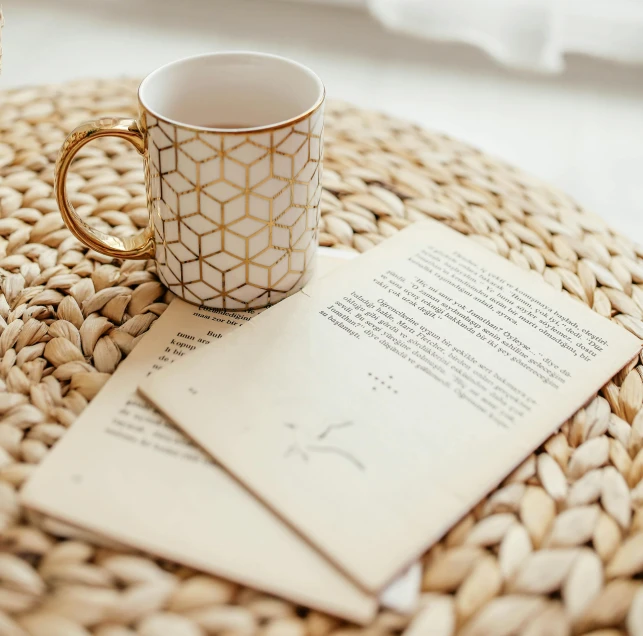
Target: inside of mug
[{"x": 231, "y": 91}]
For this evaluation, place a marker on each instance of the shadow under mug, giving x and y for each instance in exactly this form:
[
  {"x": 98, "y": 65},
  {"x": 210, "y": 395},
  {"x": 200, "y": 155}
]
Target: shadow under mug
[{"x": 232, "y": 148}]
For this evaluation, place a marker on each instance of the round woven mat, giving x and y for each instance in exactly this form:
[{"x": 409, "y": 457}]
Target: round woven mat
[{"x": 557, "y": 549}]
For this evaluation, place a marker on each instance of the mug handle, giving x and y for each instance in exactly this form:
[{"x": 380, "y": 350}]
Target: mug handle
[{"x": 140, "y": 245}]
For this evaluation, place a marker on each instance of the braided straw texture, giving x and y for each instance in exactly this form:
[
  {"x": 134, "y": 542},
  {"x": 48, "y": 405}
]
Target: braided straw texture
[{"x": 557, "y": 549}]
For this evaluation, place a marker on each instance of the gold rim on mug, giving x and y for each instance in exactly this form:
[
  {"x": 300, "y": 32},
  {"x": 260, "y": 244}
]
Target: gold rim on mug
[{"x": 232, "y": 131}]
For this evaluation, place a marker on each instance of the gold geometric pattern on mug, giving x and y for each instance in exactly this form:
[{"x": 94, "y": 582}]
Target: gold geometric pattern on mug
[{"x": 235, "y": 216}]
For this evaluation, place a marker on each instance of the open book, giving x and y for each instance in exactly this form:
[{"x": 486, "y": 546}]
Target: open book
[{"x": 375, "y": 408}]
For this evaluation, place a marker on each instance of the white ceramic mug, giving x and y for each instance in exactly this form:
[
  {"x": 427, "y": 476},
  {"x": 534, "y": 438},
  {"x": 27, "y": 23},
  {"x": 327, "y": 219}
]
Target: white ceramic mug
[{"x": 232, "y": 145}]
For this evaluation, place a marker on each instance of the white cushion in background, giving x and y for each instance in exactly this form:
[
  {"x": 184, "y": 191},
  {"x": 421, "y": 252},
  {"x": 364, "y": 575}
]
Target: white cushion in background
[{"x": 524, "y": 34}]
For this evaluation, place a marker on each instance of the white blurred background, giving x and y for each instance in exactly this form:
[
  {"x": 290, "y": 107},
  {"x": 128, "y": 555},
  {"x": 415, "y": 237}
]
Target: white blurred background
[{"x": 554, "y": 86}]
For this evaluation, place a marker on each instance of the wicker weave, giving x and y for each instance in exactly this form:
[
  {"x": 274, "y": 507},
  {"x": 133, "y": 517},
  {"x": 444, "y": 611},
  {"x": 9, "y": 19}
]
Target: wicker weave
[{"x": 555, "y": 550}]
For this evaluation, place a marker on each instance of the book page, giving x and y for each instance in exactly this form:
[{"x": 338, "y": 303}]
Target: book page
[
  {"x": 124, "y": 471},
  {"x": 388, "y": 398}
]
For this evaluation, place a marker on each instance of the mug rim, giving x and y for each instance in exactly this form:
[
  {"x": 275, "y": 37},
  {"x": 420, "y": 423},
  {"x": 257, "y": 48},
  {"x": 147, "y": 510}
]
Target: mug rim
[{"x": 233, "y": 131}]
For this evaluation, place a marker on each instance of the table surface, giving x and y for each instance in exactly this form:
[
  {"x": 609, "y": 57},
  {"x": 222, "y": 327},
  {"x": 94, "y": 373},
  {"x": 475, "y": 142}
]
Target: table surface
[{"x": 582, "y": 130}]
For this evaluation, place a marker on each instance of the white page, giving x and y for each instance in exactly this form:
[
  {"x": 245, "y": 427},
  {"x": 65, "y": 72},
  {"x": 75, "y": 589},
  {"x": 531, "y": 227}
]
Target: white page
[
  {"x": 161, "y": 494},
  {"x": 387, "y": 398}
]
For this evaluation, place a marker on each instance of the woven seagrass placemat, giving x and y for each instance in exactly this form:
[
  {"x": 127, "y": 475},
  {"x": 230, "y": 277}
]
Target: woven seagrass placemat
[{"x": 557, "y": 549}]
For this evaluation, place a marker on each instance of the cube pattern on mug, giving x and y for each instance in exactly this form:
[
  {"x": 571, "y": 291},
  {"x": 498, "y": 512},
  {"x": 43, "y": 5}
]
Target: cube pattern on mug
[{"x": 235, "y": 215}]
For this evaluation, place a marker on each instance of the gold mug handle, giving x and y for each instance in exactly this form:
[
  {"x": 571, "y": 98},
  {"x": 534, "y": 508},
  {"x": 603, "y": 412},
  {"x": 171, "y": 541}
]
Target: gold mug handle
[{"x": 138, "y": 246}]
